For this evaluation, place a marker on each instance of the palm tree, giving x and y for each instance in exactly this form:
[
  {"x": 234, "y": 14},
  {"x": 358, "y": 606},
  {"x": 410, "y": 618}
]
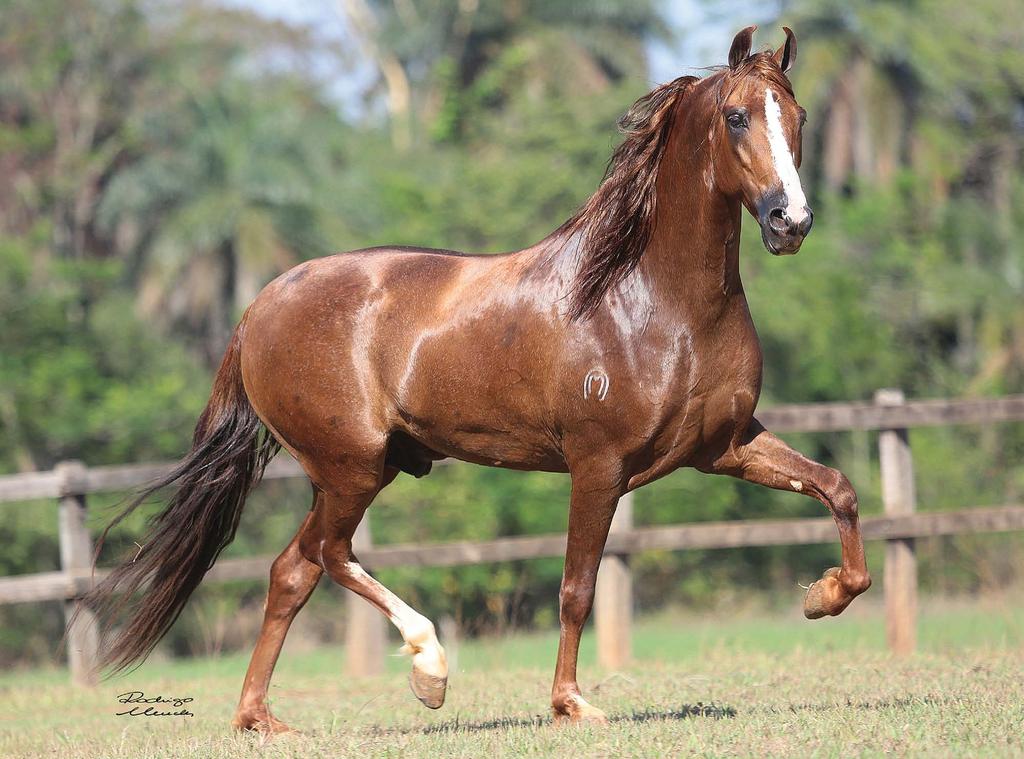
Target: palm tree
[
  {"x": 465, "y": 57},
  {"x": 227, "y": 199}
]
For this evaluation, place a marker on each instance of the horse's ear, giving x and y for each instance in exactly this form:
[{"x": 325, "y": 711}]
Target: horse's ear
[
  {"x": 785, "y": 56},
  {"x": 741, "y": 46}
]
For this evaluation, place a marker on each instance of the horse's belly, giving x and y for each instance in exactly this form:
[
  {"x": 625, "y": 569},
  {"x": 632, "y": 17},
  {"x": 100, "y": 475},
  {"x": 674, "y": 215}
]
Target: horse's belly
[
  {"x": 461, "y": 419},
  {"x": 476, "y": 385},
  {"x": 499, "y": 450}
]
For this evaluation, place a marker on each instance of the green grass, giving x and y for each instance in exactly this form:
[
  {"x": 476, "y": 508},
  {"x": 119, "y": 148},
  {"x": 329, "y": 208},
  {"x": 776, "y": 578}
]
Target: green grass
[{"x": 757, "y": 684}]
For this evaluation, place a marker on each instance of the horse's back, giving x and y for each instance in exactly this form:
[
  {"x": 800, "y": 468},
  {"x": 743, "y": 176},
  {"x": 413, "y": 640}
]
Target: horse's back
[{"x": 345, "y": 279}]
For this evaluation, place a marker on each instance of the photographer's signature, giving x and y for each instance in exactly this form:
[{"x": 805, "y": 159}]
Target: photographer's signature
[{"x": 142, "y": 705}]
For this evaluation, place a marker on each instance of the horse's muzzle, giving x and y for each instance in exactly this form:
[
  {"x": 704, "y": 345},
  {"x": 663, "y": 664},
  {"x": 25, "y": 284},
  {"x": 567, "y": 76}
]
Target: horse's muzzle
[{"x": 782, "y": 229}]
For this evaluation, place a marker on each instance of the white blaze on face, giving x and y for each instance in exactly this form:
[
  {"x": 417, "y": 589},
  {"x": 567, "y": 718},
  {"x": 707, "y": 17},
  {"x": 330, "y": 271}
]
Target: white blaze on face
[{"x": 782, "y": 157}]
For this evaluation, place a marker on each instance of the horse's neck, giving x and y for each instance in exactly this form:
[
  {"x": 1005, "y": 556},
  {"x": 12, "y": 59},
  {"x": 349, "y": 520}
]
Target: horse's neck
[
  {"x": 693, "y": 256},
  {"x": 691, "y": 263}
]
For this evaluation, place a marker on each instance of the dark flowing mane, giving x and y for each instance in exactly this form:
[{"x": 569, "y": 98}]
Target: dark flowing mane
[{"x": 616, "y": 224}]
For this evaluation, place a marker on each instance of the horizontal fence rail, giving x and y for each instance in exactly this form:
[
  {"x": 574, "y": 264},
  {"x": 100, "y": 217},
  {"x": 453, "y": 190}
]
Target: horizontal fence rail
[
  {"x": 71, "y": 482},
  {"x": 59, "y": 586},
  {"x": 837, "y": 417}
]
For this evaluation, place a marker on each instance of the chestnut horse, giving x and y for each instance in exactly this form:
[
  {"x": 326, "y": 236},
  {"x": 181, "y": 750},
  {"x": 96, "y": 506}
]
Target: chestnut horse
[{"x": 617, "y": 349}]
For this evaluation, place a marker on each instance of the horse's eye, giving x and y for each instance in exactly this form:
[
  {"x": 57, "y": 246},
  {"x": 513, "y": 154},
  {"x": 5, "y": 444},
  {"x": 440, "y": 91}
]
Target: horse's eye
[{"x": 737, "y": 119}]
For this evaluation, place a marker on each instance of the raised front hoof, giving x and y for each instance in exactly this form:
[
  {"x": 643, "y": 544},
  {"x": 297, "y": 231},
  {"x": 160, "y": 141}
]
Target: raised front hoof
[
  {"x": 576, "y": 711},
  {"x": 429, "y": 689},
  {"x": 828, "y": 596},
  {"x": 260, "y": 721}
]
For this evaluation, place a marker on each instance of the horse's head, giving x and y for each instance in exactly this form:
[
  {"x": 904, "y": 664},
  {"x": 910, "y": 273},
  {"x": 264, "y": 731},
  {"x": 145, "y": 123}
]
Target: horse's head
[{"x": 757, "y": 141}]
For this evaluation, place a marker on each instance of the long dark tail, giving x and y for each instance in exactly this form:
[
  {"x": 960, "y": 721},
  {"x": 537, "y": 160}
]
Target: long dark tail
[{"x": 147, "y": 592}]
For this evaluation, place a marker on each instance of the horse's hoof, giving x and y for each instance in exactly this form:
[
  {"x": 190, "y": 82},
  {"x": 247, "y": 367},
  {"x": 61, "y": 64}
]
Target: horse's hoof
[
  {"x": 429, "y": 689},
  {"x": 577, "y": 711},
  {"x": 265, "y": 724},
  {"x": 827, "y": 596}
]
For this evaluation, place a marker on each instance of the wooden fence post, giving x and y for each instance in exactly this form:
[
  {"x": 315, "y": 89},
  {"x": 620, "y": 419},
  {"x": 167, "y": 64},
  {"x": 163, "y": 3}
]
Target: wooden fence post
[
  {"x": 75, "y": 558},
  {"x": 898, "y": 498},
  {"x": 613, "y": 606},
  {"x": 448, "y": 630},
  {"x": 365, "y": 634}
]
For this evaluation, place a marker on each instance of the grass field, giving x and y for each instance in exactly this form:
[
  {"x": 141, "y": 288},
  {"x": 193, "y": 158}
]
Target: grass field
[{"x": 762, "y": 684}]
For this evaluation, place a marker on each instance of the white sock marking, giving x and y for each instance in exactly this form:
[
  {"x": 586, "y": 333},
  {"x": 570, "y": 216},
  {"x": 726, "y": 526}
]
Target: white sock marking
[
  {"x": 417, "y": 631},
  {"x": 782, "y": 156}
]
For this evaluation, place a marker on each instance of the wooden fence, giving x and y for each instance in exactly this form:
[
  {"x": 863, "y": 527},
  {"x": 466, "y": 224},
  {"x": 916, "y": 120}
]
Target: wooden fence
[{"x": 71, "y": 482}]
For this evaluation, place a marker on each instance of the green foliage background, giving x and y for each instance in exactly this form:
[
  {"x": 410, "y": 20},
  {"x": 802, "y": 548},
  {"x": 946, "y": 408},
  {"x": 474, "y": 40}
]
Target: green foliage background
[{"x": 161, "y": 161}]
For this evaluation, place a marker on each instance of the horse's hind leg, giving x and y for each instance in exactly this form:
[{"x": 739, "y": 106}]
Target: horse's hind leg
[
  {"x": 329, "y": 542},
  {"x": 292, "y": 580}
]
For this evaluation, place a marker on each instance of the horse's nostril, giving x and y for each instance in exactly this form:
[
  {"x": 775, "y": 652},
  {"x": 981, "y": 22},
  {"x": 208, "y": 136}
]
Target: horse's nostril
[
  {"x": 804, "y": 227},
  {"x": 778, "y": 221}
]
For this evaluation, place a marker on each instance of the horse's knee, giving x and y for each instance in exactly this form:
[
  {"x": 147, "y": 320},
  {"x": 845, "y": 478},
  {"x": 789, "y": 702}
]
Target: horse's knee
[{"x": 842, "y": 498}]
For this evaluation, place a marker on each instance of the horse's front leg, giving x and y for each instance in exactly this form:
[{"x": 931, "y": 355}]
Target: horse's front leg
[
  {"x": 590, "y": 516},
  {"x": 763, "y": 458}
]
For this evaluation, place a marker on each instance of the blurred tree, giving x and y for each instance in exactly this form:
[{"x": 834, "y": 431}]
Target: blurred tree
[
  {"x": 912, "y": 111},
  {"x": 137, "y": 137},
  {"x": 882, "y": 76},
  {"x": 450, "y": 61},
  {"x": 222, "y": 198},
  {"x": 105, "y": 389},
  {"x": 70, "y": 74}
]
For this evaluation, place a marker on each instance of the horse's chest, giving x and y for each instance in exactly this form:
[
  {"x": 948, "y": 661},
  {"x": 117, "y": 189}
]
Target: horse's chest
[{"x": 698, "y": 408}]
